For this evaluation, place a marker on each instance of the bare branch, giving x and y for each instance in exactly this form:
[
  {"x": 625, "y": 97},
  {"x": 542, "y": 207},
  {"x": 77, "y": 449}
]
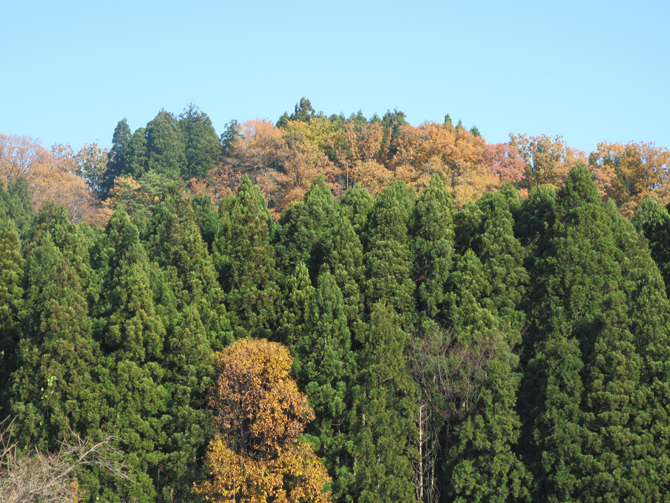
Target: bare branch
[{"x": 42, "y": 477}]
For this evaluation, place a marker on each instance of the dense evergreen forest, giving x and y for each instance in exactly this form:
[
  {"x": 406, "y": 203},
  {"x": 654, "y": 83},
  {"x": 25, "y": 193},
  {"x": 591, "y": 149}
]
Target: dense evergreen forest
[{"x": 345, "y": 309}]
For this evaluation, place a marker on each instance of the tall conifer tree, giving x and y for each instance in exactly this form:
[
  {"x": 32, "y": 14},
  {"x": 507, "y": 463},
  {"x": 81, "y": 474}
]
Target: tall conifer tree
[
  {"x": 384, "y": 433},
  {"x": 245, "y": 262},
  {"x": 304, "y": 230},
  {"x": 11, "y": 305},
  {"x": 481, "y": 464},
  {"x": 137, "y": 156},
  {"x": 591, "y": 406},
  {"x": 54, "y": 391},
  {"x": 344, "y": 259},
  {"x": 165, "y": 145},
  {"x": 432, "y": 242},
  {"x": 325, "y": 368},
  {"x": 202, "y": 149},
  {"x": 117, "y": 159},
  {"x": 357, "y": 203},
  {"x": 387, "y": 258}
]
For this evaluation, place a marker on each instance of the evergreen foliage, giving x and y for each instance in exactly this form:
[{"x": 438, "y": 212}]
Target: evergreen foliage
[
  {"x": 402, "y": 314},
  {"x": 384, "y": 409},
  {"x": 356, "y": 204},
  {"x": 388, "y": 259},
  {"x": 202, "y": 149},
  {"x": 11, "y": 305},
  {"x": 117, "y": 160},
  {"x": 245, "y": 262},
  {"x": 16, "y": 204},
  {"x": 325, "y": 368},
  {"x": 138, "y": 160},
  {"x": 343, "y": 258},
  {"x": 54, "y": 392},
  {"x": 592, "y": 407},
  {"x": 432, "y": 243},
  {"x": 305, "y": 228}
]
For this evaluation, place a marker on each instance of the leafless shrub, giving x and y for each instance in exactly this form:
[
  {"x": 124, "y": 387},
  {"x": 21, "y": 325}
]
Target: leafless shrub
[
  {"x": 449, "y": 374},
  {"x": 34, "y": 476}
]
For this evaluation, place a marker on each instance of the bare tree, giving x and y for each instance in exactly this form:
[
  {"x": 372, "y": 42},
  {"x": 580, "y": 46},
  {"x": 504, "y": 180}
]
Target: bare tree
[
  {"x": 34, "y": 476},
  {"x": 449, "y": 374}
]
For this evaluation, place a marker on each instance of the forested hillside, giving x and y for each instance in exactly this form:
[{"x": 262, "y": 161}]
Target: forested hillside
[{"x": 345, "y": 309}]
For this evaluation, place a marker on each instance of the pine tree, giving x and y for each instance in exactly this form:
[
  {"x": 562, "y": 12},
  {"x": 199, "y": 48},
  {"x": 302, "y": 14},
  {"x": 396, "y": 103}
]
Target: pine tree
[
  {"x": 54, "y": 392},
  {"x": 165, "y": 145},
  {"x": 207, "y": 218},
  {"x": 384, "y": 433},
  {"x": 177, "y": 246},
  {"x": 653, "y": 221},
  {"x": 132, "y": 336},
  {"x": 325, "y": 368},
  {"x": 484, "y": 428},
  {"x": 589, "y": 402},
  {"x": 302, "y": 232},
  {"x": 298, "y": 296},
  {"x": 244, "y": 259},
  {"x": 502, "y": 256},
  {"x": 117, "y": 159},
  {"x": 432, "y": 242},
  {"x": 229, "y": 139},
  {"x": 202, "y": 149},
  {"x": 356, "y": 204},
  {"x": 344, "y": 260},
  {"x": 190, "y": 303},
  {"x": 137, "y": 155},
  {"x": 18, "y": 206},
  {"x": 11, "y": 304},
  {"x": 387, "y": 256}
]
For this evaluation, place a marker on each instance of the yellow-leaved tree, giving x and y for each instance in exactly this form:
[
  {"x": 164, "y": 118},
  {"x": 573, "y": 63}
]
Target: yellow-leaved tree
[{"x": 257, "y": 456}]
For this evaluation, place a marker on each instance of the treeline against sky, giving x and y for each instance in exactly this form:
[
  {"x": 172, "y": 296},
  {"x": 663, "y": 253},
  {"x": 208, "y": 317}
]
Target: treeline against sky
[
  {"x": 511, "y": 347},
  {"x": 284, "y": 158}
]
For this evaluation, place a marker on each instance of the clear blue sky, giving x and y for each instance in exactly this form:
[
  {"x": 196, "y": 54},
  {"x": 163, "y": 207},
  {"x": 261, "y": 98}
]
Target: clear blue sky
[{"x": 589, "y": 70}]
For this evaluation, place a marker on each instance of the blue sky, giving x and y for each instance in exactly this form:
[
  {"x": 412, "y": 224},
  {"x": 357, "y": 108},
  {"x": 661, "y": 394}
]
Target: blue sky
[{"x": 588, "y": 70}]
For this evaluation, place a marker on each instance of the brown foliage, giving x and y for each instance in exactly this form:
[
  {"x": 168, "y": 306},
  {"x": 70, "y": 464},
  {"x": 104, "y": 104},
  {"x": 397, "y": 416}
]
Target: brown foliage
[
  {"x": 217, "y": 183},
  {"x": 39, "y": 477},
  {"x": 632, "y": 172},
  {"x": 548, "y": 160},
  {"x": 260, "y": 412},
  {"x": 51, "y": 175},
  {"x": 503, "y": 161}
]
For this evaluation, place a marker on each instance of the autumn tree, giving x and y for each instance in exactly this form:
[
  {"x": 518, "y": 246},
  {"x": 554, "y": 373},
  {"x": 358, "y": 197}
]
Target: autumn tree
[
  {"x": 51, "y": 174},
  {"x": 629, "y": 173},
  {"x": 303, "y": 157},
  {"x": 257, "y": 456},
  {"x": 502, "y": 160},
  {"x": 91, "y": 166},
  {"x": 548, "y": 160}
]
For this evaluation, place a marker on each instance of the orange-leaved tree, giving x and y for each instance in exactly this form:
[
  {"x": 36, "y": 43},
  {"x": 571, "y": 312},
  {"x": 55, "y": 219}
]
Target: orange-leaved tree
[{"x": 257, "y": 456}]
